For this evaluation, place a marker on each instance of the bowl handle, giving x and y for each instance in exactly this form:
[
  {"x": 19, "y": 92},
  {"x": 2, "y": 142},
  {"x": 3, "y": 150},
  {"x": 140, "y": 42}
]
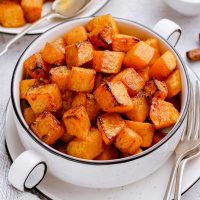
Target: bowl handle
[
  {"x": 169, "y": 30},
  {"x": 27, "y": 170}
]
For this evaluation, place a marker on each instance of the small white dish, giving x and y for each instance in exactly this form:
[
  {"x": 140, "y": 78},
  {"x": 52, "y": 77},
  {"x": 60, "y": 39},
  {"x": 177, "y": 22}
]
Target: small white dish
[
  {"x": 151, "y": 186},
  {"x": 185, "y": 7},
  {"x": 91, "y": 10}
]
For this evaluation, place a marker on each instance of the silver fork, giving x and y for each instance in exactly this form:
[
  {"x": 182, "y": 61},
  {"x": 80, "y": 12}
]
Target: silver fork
[{"x": 190, "y": 139}]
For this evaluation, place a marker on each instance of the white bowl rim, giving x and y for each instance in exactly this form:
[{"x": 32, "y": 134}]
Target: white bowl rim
[{"x": 115, "y": 161}]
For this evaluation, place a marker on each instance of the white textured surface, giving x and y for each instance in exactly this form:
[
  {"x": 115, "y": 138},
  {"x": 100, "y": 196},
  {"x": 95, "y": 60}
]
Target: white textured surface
[{"x": 147, "y": 12}]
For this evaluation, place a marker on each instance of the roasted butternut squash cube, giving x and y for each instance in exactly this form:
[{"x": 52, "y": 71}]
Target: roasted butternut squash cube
[
  {"x": 47, "y": 128},
  {"x": 59, "y": 43},
  {"x": 145, "y": 130},
  {"x": 44, "y": 97},
  {"x": 77, "y": 122},
  {"x": 110, "y": 125},
  {"x": 153, "y": 42},
  {"x": 140, "y": 109},
  {"x": 77, "y": 34},
  {"x": 25, "y": 85},
  {"x": 144, "y": 73},
  {"x": 35, "y": 67},
  {"x": 139, "y": 56},
  {"x": 88, "y": 101},
  {"x": 102, "y": 36},
  {"x": 131, "y": 79},
  {"x": 109, "y": 153},
  {"x": 158, "y": 136},
  {"x": 101, "y": 21},
  {"x": 123, "y": 43},
  {"x": 60, "y": 76},
  {"x": 113, "y": 97},
  {"x": 79, "y": 54},
  {"x": 67, "y": 98},
  {"x": 29, "y": 115},
  {"x": 163, "y": 66},
  {"x": 32, "y": 9},
  {"x": 86, "y": 149},
  {"x": 81, "y": 79},
  {"x": 173, "y": 83},
  {"x": 163, "y": 114},
  {"x": 128, "y": 141},
  {"x": 53, "y": 55},
  {"x": 11, "y": 14},
  {"x": 108, "y": 62}
]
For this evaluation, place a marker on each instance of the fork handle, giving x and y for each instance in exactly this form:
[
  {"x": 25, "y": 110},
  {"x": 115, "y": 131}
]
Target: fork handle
[
  {"x": 4, "y": 47},
  {"x": 172, "y": 179}
]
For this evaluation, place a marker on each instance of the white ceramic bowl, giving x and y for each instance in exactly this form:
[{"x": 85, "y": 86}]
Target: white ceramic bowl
[
  {"x": 185, "y": 7},
  {"x": 94, "y": 173}
]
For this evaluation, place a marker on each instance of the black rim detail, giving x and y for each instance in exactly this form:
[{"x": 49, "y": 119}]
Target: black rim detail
[
  {"x": 176, "y": 31},
  {"x": 109, "y": 162}
]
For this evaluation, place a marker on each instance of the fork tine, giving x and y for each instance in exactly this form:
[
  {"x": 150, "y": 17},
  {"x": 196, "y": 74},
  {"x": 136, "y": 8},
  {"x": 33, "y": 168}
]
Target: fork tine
[
  {"x": 190, "y": 115},
  {"x": 196, "y": 131}
]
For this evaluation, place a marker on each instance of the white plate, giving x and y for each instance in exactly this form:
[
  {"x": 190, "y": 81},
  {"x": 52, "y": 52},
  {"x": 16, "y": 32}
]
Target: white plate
[
  {"x": 95, "y": 6},
  {"x": 152, "y": 186}
]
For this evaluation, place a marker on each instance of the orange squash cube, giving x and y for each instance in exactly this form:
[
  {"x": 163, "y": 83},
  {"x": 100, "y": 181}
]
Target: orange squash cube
[
  {"x": 153, "y": 42},
  {"x": 35, "y": 67},
  {"x": 32, "y": 9},
  {"x": 77, "y": 122},
  {"x": 75, "y": 35},
  {"x": 25, "y": 85},
  {"x": 79, "y": 54},
  {"x": 88, "y": 101},
  {"x": 144, "y": 73},
  {"x": 89, "y": 148},
  {"x": 128, "y": 141},
  {"x": 131, "y": 79},
  {"x": 60, "y": 76},
  {"x": 163, "y": 114},
  {"x": 163, "y": 66},
  {"x": 123, "y": 43},
  {"x": 59, "y": 43},
  {"x": 110, "y": 125},
  {"x": 108, "y": 62},
  {"x": 44, "y": 97},
  {"x": 145, "y": 130},
  {"x": 139, "y": 56},
  {"x": 29, "y": 115},
  {"x": 173, "y": 83},
  {"x": 109, "y": 153},
  {"x": 113, "y": 97},
  {"x": 81, "y": 79},
  {"x": 140, "y": 109},
  {"x": 47, "y": 128}
]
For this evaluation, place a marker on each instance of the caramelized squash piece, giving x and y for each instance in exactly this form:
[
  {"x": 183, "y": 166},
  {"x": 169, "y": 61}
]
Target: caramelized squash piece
[
  {"x": 67, "y": 137},
  {"x": 110, "y": 125},
  {"x": 29, "y": 115},
  {"x": 163, "y": 66},
  {"x": 163, "y": 114},
  {"x": 139, "y": 56},
  {"x": 47, "y": 128},
  {"x": 140, "y": 109},
  {"x": 108, "y": 62},
  {"x": 109, "y": 153},
  {"x": 131, "y": 79},
  {"x": 173, "y": 83},
  {"x": 75, "y": 35},
  {"x": 79, "y": 54},
  {"x": 77, "y": 122},
  {"x": 113, "y": 97},
  {"x": 36, "y": 67},
  {"x": 25, "y": 85},
  {"x": 60, "y": 76},
  {"x": 128, "y": 141},
  {"x": 81, "y": 79},
  {"x": 89, "y": 148},
  {"x": 123, "y": 43},
  {"x": 145, "y": 130},
  {"x": 44, "y": 97},
  {"x": 88, "y": 101},
  {"x": 144, "y": 73}
]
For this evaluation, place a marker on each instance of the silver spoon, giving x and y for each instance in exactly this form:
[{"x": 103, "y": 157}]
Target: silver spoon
[{"x": 63, "y": 9}]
